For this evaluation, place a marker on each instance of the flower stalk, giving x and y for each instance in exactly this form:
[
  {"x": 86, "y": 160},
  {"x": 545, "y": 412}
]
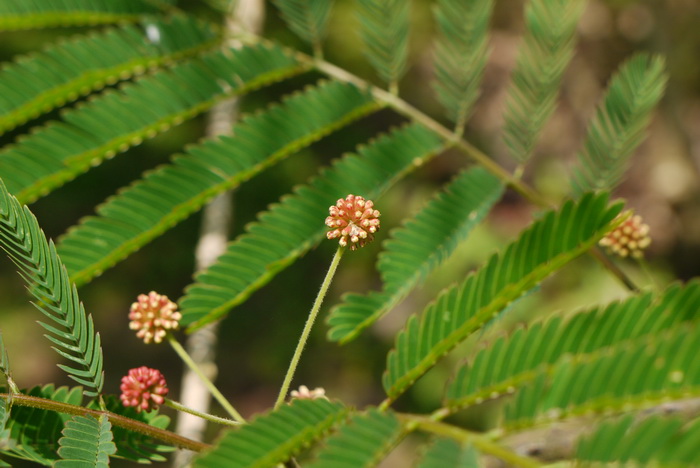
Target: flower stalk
[{"x": 307, "y": 328}]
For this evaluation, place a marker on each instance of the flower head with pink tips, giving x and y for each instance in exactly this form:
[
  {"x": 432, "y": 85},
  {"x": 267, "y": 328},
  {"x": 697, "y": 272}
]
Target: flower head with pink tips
[{"x": 353, "y": 221}]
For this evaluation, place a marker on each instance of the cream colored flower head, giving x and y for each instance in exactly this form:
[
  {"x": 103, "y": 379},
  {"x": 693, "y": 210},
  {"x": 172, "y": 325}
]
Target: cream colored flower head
[
  {"x": 628, "y": 239},
  {"x": 353, "y": 221},
  {"x": 153, "y": 315}
]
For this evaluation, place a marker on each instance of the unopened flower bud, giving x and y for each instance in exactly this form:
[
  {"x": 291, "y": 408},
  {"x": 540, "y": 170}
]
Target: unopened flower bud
[
  {"x": 628, "y": 239},
  {"x": 143, "y": 388},
  {"x": 305, "y": 394}
]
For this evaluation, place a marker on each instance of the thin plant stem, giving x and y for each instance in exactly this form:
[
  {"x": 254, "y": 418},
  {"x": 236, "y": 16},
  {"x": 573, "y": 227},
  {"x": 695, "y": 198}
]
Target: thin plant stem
[
  {"x": 116, "y": 419},
  {"x": 209, "y": 417},
  {"x": 307, "y": 328},
  {"x": 210, "y": 386},
  {"x": 484, "y": 444}
]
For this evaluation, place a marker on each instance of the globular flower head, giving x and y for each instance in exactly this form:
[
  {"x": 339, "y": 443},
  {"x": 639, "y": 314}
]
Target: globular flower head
[
  {"x": 628, "y": 239},
  {"x": 143, "y": 388},
  {"x": 153, "y": 315},
  {"x": 305, "y": 394},
  {"x": 353, "y": 221}
]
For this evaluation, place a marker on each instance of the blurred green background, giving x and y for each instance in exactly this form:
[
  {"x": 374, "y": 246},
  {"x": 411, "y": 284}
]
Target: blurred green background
[{"x": 258, "y": 337}]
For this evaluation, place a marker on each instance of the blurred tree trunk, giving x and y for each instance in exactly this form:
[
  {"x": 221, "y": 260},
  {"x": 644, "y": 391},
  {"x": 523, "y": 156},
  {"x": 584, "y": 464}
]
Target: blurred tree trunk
[{"x": 201, "y": 345}]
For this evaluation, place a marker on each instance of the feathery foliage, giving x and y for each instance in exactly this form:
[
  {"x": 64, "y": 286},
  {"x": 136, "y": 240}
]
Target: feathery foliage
[
  {"x": 117, "y": 120},
  {"x": 125, "y": 222},
  {"x": 34, "y": 433},
  {"x": 447, "y": 452},
  {"x": 513, "y": 361},
  {"x": 253, "y": 258},
  {"x": 548, "y": 244},
  {"x": 654, "y": 441},
  {"x": 417, "y": 248},
  {"x": 36, "y": 83},
  {"x": 619, "y": 124},
  {"x": 307, "y": 18},
  {"x": 275, "y": 437},
  {"x": 361, "y": 443},
  {"x": 22, "y": 14},
  {"x": 637, "y": 376},
  {"x": 86, "y": 443},
  {"x": 384, "y": 28},
  {"x": 133, "y": 445},
  {"x": 461, "y": 52},
  {"x": 546, "y": 51},
  {"x": 71, "y": 329}
]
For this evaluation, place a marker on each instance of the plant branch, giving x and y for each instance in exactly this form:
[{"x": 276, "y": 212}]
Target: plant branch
[
  {"x": 116, "y": 419},
  {"x": 307, "y": 328},
  {"x": 209, "y": 417},
  {"x": 208, "y": 383},
  {"x": 484, "y": 444}
]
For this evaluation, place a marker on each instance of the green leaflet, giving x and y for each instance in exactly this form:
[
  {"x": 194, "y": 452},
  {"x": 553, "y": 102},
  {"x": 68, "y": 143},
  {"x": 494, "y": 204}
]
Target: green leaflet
[
  {"x": 461, "y": 51},
  {"x": 546, "y": 51},
  {"x": 361, "y": 443},
  {"x": 514, "y": 361},
  {"x": 637, "y": 376},
  {"x": 86, "y": 443},
  {"x": 134, "y": 445},
  {"x": 71, "y": 330},
  {"x": 384, "y": 27},
  {"x": 255, "y": 257},
  {"x": 554, "y": 240},
  {"x": 417, "y": 248},
  {"x": 307, "y": 18},
  {"x": 655, "y": 441},
  {"x": 274, "y": 437},
  {"x": 34, "y": 433},
  {"x": 443, "y": 453},
  {"x": 36, "y": 83},
  {"x": 118, "y": 119},
  {"x": 24, "y": 14},
  {"x": 151, "y": 206},
  {"x": 619, "y": 124}
]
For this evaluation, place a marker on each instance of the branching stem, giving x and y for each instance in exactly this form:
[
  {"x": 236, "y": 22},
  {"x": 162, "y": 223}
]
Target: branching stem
[
  {"x": 116, "y": 419},
  {"x": 209, "y": 417},
  {"x": 307, "y": 328},
  {"x": 210, "y": 386}
]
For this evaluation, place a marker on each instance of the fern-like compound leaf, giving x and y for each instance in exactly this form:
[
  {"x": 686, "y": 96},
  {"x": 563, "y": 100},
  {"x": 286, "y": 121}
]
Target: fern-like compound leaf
[
  {"x": 619, "y": 124},
  {"x": 447, "y": 452},
  {"x": 86, "y": 443},
  {"x": 654, "y": 441},
  {"x": 256, "y": 256},
  {"x": 461, "y": 52},
  {"x": 361, "y": 443},
  {"x": 23, "y": 14},
  {"x": 125, "y": 223},
  {"x": 417, "y": 248},
  {"x": 384, "y": 28},
  {"x": 512, "y": 362},
  {"x": 307, "y": 18},
  {"x": 554, "y": 240},
  {"x": 118, "y": 119},
  {"x": 36, "y": 83},
  {"x": 274, "y": 437},
  {"x": 134, "y": 445},
  {"x": 70, "y": 329},
  {"x": 34, "y": 433},
  {"x": 638, "y": 376},
  {"x": 546, "y": 51}
]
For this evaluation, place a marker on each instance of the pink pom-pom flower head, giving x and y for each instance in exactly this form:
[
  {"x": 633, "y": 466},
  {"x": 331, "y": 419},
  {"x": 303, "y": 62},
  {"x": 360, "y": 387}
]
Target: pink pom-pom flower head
[
  {"x": 153, "y": 315},
  {"x": 143, "y": 388},
  {"x": 353, "y": 221}
]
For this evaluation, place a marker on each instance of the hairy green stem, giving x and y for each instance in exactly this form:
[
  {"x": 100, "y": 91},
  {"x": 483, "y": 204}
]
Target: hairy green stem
[
  {"x": 209, "y": 417},
  {"x": 484, "y": 444},
  {"x": 116, "y": 419},
  {"x": 307, "y": 328},
  {"x": 208, "y": 383}
]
